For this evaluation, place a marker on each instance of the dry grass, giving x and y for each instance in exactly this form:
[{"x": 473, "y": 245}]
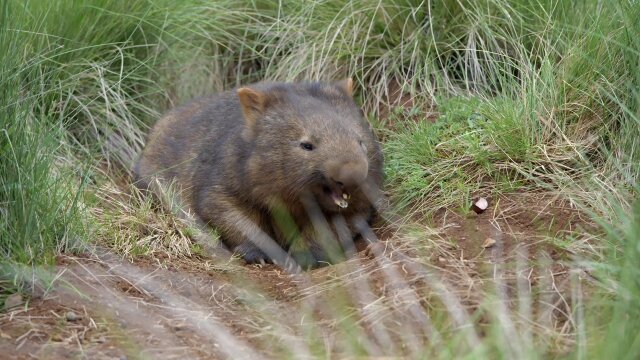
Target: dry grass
[{"x": 131, "y": 223}]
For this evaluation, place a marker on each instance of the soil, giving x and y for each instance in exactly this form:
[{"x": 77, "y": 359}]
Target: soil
[{"x": 168, "y": 308}]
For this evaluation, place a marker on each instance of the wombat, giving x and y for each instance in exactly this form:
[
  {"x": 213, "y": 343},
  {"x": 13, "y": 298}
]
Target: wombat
[{"x": 292, "y": 162}]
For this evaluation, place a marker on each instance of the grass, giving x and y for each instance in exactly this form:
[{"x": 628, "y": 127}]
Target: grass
[
  {"x": 619, "y": 337},
  {"x": 473, "y": 144},
  {"x": 131, "y": 223},
  {"x": 470, "y": 98}
]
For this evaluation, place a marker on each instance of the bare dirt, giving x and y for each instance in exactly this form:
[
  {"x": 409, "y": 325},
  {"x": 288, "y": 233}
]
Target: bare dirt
[{"x": 106, "y": 307}]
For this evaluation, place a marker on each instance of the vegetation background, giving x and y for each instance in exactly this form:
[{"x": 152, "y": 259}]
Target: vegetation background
[{"x": 468, "y": 97}]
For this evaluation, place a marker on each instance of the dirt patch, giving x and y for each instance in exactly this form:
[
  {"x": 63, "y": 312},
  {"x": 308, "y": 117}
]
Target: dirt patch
[
  {"x": 43, "y": 332},
  {"x": 532, "y": 225},
  {"x": 194, "y": 308}
]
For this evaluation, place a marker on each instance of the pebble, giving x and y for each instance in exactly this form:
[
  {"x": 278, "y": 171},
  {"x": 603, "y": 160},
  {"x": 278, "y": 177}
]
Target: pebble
[
  {"x": 71, "y": 316},
  {"x": 488, "y": 242},
  {"x": 480, "y": 205}
]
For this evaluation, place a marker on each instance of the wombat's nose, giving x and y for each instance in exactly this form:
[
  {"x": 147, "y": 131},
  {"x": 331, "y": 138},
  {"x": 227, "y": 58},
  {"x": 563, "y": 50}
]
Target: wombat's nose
[{"x": 350, "y": 174}]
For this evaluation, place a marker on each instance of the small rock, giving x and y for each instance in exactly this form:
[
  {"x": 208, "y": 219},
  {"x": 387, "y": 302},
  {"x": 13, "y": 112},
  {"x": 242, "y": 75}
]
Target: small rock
[
  {"x": 12, "y": 301},
  {"x": 71, "y": 316},
  {"x": 488, "y": 242},
  {"x": 480, "y": 205}
]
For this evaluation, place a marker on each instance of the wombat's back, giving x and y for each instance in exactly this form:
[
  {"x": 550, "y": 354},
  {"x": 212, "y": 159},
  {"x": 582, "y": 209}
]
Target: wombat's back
[{"x": 178, "y": 138}]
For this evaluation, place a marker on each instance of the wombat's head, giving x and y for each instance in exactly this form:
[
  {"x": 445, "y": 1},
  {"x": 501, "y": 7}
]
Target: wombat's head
[{"x": 308, "y": 138}]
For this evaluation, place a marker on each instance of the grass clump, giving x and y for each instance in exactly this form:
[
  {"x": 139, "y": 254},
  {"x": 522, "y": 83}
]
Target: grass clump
[
  {"x": 475, "y": 147},
  {"x": 40, "y": 207},
  {"x": 473, "y": 143},
  {"x": 80, "y": 82},
  {"x": 131, "y": 223},
  {"x": 547, "y": 124}
]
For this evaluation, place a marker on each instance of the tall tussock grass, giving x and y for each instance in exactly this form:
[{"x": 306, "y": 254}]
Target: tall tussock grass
[
  {"x": 469, "y": 97},
  {"x": 80, "y": 82}
]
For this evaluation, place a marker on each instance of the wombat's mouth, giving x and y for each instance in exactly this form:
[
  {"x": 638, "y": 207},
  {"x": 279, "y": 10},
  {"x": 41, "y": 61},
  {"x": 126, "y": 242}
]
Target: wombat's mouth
[{"x": 337, "y": 195}]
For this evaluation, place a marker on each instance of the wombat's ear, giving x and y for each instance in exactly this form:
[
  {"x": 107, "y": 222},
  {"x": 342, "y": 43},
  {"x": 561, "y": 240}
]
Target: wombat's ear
[
  {"x": 346, "y": 85},
  {"x": 252, "y": 103}
]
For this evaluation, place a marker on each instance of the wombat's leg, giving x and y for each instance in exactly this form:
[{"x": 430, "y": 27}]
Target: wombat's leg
[
  {"x": 329, "y": 242},
  {"x": 300, "y": 250},
  {"x": 307, "y": 251},
  {"x": 298, "y": 240},
  {"x": 345, "y": 234},
  {"x": 244, "y": 236},
  {"x": 317, "y": 246},
  {"x": 360, "y": 224},
  {"x": 341, "y": 238},
  {"x": 347, "y": 229},
  {"x": 287, "y": 231},
  {"x": 251, "y": 254}
]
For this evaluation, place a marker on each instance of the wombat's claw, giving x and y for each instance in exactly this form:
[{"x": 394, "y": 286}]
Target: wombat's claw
[
  {"x": 292, "y": 267},
  {"x": 252, "y": 255}
]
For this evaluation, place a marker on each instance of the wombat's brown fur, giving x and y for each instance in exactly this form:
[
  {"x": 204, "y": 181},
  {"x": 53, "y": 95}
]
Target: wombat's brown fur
[{"x": 275, "y": 159}]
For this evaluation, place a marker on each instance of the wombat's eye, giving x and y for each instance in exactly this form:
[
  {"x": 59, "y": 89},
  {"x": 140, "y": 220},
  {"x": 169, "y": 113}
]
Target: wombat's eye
[{"x": 307, "y": 146}]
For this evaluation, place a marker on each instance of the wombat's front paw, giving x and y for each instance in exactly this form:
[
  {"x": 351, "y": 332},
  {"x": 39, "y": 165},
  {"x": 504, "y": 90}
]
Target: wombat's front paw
[
  {"x": 313, "y": 258},
  {"x": 304, "y": 258},
  {"x": 251, "y": 254}
]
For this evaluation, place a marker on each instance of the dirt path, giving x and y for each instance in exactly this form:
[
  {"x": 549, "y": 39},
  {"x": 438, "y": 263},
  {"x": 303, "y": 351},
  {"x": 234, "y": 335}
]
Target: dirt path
[{"x": 104, "y": 307}]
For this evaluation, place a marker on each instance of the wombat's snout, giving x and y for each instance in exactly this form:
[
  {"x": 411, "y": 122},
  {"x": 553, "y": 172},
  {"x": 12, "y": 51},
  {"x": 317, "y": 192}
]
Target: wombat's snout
[
  {"x": 349, "y": 174},
  {"x": 345, "y": 176}
]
